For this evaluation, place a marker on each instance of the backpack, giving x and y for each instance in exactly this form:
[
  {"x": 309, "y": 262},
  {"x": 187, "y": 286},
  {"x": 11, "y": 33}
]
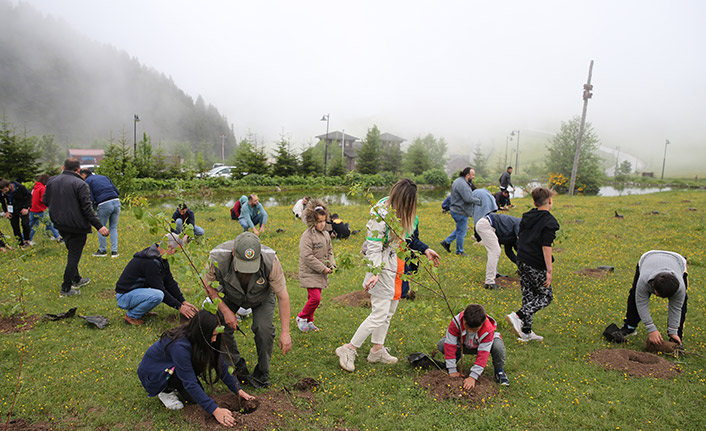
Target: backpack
[
  {"x": 446, "y": 204},
  {"x": 235, "y": 211}
]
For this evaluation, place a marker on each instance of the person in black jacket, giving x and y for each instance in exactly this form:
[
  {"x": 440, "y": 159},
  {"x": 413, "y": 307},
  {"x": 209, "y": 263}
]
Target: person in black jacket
[
  {"x": 147, "y": 281},
  {"x": 183, "y": 216},
  {"x": 507, "y": 228},
  {"x": 16, "y": 201},
  {"x": 69, "y": 201}
]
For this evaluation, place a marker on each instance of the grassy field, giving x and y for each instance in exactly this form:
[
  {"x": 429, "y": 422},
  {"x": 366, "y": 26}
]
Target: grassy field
[{"x": 78, "y": 377}]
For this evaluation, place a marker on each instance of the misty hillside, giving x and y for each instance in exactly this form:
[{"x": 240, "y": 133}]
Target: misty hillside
[{"x": 55, "y": 81}]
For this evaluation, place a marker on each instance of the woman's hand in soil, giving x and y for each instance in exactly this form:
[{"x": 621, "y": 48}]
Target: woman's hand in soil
[
  {"x": 371, "y": 282},
  {"x": 654, "y": 337},
  {"x": 469, "y": 383},
  {"x": 224, "y": 416},
  {"x": 675, "y": 338},
  {"x": 244, "y": 395}
]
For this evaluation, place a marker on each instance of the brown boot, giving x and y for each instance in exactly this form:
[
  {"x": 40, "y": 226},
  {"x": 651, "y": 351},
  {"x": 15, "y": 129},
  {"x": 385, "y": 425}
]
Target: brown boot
[{"x": 132, "y": 321}]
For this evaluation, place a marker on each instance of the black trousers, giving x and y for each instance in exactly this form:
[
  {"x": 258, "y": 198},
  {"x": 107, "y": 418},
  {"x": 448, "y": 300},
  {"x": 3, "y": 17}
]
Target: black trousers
[
  {"x": 74, "y": 245},
  {"x": 15, "y": 222},
  {"x": 175, "y": 382},
  {"x": 632, "y": 317}
]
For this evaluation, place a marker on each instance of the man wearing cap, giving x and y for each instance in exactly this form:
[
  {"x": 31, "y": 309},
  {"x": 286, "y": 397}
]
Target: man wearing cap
[
  {"x": 147, "y": 281},
  {"x": 250, "y": 275}
]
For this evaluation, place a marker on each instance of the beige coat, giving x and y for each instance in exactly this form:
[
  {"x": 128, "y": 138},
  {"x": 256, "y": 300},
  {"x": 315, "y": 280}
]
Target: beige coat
[{"x": 315, "y": 255}]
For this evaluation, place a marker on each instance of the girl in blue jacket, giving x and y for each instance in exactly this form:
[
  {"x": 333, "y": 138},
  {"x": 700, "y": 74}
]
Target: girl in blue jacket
[{"x": 183, "y": 354}]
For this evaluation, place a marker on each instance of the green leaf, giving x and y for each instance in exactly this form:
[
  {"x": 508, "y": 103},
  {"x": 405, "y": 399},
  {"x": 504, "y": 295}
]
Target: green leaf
[
  {"x": 231, "y": 370},
  {"x": 139, "y": 212},
  {"x": 220, "y": 329}
]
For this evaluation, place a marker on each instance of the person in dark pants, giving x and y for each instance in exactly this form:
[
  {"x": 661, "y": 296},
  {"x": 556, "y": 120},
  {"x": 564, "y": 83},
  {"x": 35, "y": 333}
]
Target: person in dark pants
[
  {"x": 69, "y": 201},
  {"x": 16, "y": 201},
  {"x": 662, "y": 273}
]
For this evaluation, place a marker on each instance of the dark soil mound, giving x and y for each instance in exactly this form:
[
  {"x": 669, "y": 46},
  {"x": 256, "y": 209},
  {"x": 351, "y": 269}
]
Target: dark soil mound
[
  {"x": 665, "y": 347},
  {"x": 9, "y": 325},
  {"x": 263, "y": 413},
  {"x": 305, "y": 384},
  {"x": 593, "y": 272},
  {"x": 507, "y": 281},
  {"x": 359, "y": 298},
  {"x": 441, "y": 386},
  {"x": 21, "y": 424},
  {"x": 637, "y": 364}
]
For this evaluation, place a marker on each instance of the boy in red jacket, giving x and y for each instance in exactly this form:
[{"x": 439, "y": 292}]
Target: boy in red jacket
[{"x": 473, "y": 332}]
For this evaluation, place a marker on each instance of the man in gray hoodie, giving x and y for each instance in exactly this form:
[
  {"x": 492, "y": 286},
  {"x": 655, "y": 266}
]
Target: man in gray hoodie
[
  {"x": 462, "y": 202},
  {"x": 664, "y": 274}
]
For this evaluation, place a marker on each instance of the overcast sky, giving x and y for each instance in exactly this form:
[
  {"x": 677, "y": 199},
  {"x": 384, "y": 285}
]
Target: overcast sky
[{"x": 470, "y": 71}]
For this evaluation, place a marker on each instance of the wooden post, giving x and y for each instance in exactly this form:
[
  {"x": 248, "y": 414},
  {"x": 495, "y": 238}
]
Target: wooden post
[{"x": 587, "y": 87}]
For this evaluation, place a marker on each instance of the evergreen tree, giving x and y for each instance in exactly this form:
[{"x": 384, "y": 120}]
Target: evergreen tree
[
  {"x": 250, "y": 157},
  {"x": 417, "y": 159},
  {"x": 51, "y": 156},
  {"x": 19, "y": 158},
  {"x": 118, "y": 165},
  {"x": 144, "y": 162},
  {"x": 391, "y": 159},
  {"x": 562, "y": 150},
  {"x": 286, "y": 163},
  {"x": 368, "y": 158},
  {"x": 479, "y": 163},
  {"x": 310, "y": 164},
  {"x": 336, "y": 167}
]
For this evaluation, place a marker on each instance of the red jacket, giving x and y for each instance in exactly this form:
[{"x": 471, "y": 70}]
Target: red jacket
[
  {"x": 37, "y": 195},
  {"x": 481, "y": 340}
]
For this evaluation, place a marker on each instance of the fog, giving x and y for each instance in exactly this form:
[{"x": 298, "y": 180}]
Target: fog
[{"x": 468, "y": 71}]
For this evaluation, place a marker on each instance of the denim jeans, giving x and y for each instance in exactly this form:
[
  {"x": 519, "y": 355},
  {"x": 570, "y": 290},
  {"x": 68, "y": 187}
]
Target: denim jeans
[
  {"x": 38, "y": 218},
  {"x": 460, "y": 233},
  {"x": 198, "y": 231},
  {"x": 255, "y": 221},
  {"x": 108, "y": 214},
  {"x": 137, "y": 302}
]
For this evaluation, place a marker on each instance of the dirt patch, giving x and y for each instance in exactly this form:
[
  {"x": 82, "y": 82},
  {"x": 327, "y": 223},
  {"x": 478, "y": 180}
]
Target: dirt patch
[
  {"x": 106, "y": 294},
  {"x": 637, "y": 364},
  {"x": 593, "y": 272},
  {"x": 575, "y": 221},
  {"x": 264, "y": 413},
  {"x": 359, "y": 298},
  {"x": 20, "y": 322},
  {"x": 507, "y": 281},
  {"x": 441, "y": 386},
  {"x": 613, "y": 236},
  {"x": 665, "y": 347},
  {"x": 23, "y": 425},
  {"x": 175, "y": 318}
]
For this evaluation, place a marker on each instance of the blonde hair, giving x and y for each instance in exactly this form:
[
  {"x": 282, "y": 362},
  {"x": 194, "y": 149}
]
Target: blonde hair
[
  {"x": 403, "y": 199},
  {"x": 314, "y": 209}
]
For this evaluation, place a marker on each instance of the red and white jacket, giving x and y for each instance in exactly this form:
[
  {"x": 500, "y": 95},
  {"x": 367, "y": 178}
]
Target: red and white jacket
[{"x": 481, "y": 340}]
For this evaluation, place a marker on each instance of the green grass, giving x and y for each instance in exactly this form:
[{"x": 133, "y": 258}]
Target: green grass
[{"x": 77, "y": 377}]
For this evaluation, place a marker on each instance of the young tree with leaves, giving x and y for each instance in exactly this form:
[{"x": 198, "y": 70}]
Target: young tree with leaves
[
  {"x": 19, "y": 158},
  {"x": 286, "y": 162},
  {"x": 118, "y": 165},
  {"x": 563, "y": 149}
]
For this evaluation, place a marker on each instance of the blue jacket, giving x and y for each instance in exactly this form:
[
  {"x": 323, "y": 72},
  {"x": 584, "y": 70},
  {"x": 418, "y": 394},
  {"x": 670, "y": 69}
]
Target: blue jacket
[
  {"x": 165, "y": 354},
  {"x": 486, "y": 206},
  {"x": 248, "y": 213},
  {"x": 102, "y": 189}
]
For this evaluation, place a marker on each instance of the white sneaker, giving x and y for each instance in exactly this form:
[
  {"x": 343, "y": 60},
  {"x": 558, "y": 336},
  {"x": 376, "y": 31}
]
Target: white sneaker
[
  {"x": 170, "y": 400},
  {"x": 346, "y": 358},
  {"x": 245, "y": 312},
  {"x": 313, "y": 327},
  {"x": 515, "y": 323},
  {"x": 530, "y": 337},
  {"x": 302, "y": 324},
  {"x": 383, "y": 355}
]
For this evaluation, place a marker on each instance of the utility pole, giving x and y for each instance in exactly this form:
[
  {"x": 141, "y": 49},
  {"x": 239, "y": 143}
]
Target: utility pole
[
  {"x": 587, "y": 88},
  {"x": 664, "y": 160},
  {"x": 223, "y": 147}
]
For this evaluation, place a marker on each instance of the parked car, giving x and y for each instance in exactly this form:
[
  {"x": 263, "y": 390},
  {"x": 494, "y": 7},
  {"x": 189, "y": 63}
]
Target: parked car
[{"x": 220, "y": 171}]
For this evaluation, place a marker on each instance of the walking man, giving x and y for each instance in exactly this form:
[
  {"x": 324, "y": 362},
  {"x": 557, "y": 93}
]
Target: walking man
[
  {"x": 462, "y": 202},
  {"x": 70, "y": 209}
]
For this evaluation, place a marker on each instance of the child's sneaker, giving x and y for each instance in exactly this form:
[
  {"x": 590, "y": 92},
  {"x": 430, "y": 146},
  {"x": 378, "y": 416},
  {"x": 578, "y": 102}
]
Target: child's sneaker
[
  {"x": 383, "y": 355},
  {"x": 501, "y": 378},
  {"x": 302, "y": 324},
  {"x": 346, "y": 358},
  {"x": 515, "y": 323},
  {"x": 313, "y": 327},
  {"x": 170, "y": 400},
  {"x": 530, "y": 337}
]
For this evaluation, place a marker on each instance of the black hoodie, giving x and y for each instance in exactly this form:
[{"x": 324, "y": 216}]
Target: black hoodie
[
  {"x": 537, "y": 230},
  {"x": 147, "y": 269}
]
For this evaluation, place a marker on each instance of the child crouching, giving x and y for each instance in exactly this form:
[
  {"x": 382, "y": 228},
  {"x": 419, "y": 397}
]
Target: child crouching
[
  {"x": 316, "y": 261},
  {"x": 473, "y": 332}
]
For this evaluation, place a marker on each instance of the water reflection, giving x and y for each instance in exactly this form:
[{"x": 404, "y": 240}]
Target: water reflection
[{"x": 271, "y": 199}]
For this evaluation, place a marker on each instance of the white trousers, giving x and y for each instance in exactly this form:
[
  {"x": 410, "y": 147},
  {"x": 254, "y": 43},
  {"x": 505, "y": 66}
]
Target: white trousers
[
  {"x": 487, "y": 234},
  {"x": 377, "y": 323}
]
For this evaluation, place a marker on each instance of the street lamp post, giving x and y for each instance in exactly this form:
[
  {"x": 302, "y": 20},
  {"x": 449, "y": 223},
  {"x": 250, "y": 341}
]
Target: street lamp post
[
  {"x": 517, "y": 151},
  {"x": 664, "y": 160},
  {"x": 325, "y": 118},
  {"x": 507, "y": 138},
  {"x": 134, "y": 129}
]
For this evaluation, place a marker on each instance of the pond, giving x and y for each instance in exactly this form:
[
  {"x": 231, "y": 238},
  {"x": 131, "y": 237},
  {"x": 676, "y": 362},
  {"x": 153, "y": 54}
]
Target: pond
[{"x": 271, "y": 199}]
